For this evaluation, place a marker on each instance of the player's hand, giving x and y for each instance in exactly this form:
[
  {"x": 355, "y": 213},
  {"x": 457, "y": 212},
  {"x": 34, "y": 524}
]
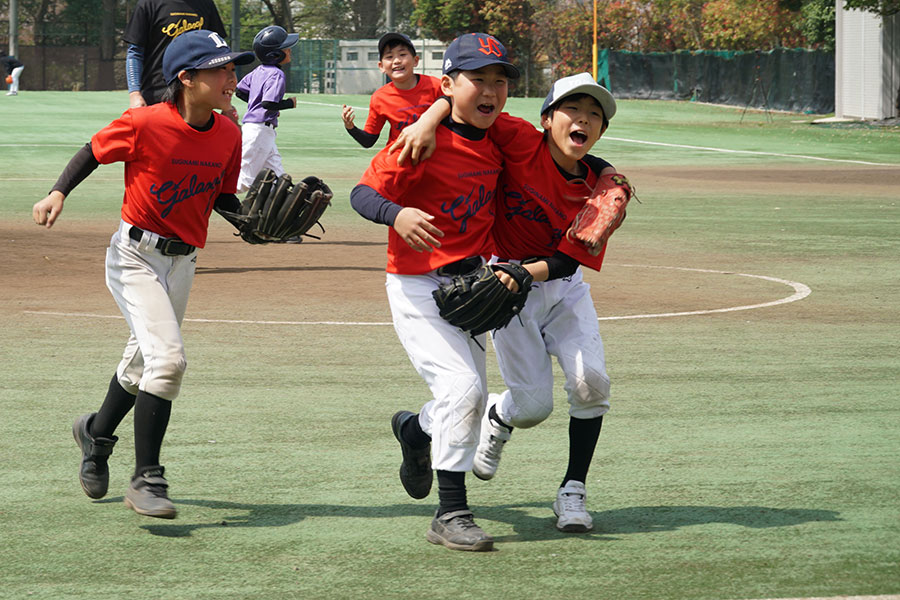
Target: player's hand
[
  {"x": 232, "y": 115},
  {"x": 135, "y": 100},
  {"x": 414, "y": 226},
  {"x": 347, "y": 116},
  {"x": 507, "y": 280},
  {"x": 294, "y": 99},
  {"x": 415, "y": 142},
  {"x": 47, "y": 210}
]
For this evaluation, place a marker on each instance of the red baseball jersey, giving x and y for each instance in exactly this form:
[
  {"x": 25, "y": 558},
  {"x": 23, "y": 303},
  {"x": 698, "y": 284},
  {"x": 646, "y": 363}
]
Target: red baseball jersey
[
  {"x": 400, "y": 107},
  {"x": 457, "y": 185},
  {"x": 173, "y": 173},
  {"x": 536, "y": 203}
]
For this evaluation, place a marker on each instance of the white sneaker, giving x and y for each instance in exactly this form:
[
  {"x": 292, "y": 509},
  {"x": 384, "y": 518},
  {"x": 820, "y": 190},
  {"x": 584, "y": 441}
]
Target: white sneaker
[
  {"x": 569, "y": 507},
  {"x": 490, "y": 444}
]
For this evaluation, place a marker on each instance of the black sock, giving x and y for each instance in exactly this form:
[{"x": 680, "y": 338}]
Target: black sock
[
  {"x": 412, "y": 433},
  {"x": 583, "y": 436},
  {"x": 115, "y": 406},
  {"x": 492, "y": 414},
  {"x": 451, "y": 492},
  {"x": 151, "y": 417}
]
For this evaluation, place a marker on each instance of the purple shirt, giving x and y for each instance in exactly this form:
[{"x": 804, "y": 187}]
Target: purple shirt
[{"x": 265, "y": 83}]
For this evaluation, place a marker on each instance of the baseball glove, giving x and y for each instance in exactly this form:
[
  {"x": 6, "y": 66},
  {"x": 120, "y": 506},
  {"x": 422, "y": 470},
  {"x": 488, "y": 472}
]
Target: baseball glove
[
  {"x": 275, "y": 209},
  {"x": 602, "y": 213},
  {"x": 478, "y": 301}
]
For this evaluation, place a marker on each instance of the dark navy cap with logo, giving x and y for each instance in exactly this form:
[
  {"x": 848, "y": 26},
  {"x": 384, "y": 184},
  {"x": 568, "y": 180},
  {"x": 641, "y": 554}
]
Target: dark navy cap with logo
[
  {"x": 393, "y": 37},
  {"x": 472, "y": 51},
  {"x": 199, "y": 49}
]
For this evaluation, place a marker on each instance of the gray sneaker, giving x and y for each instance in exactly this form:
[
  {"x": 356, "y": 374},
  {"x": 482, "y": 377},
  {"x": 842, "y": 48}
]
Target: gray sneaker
[
  {"x": 457, "y": 530},
  {"x": 147, "y": 494},
  {"x": 415, "y": 470},
  {"x": 94, "y": 472}
]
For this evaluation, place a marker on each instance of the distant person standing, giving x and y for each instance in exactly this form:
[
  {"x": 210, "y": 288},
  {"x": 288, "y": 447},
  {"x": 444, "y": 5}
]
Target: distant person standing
[
  {"x": 14, "y": 68},
  {"x": 153, "y": 25}
]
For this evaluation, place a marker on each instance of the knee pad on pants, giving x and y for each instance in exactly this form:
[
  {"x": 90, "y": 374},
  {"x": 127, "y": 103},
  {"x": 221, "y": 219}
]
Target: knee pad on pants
[
  {"x": 589, "y": 394},
  {"x": 529, "y": 407}
]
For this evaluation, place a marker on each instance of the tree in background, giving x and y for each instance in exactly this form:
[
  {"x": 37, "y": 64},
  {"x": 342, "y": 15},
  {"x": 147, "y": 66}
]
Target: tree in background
[
  {"x": 749, "y": 24},
  {"x": 817, "y": 23}
]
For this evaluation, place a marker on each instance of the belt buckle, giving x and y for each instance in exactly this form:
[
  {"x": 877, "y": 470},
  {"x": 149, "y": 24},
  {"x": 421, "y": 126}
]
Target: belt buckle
[{"x": 168, "y": 247}]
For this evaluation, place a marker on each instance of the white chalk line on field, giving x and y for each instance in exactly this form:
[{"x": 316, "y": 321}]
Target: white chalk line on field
[{"x": 800, "y": 291}]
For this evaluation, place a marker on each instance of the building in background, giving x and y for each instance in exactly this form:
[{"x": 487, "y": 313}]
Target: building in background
[{"x": 867, "y": 65}]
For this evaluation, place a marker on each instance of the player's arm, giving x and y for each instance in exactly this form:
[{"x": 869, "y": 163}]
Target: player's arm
[
  {"x": 411, "y": 224},
  {"x": 417, "y": 141},
  {"x": 134, "y": 68},
  {"x": 46, "y": 211},
  {"x": 281, "y": 105}
]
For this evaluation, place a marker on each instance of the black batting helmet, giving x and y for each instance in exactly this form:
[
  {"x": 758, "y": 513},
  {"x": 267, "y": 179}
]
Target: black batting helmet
[{"x": 269, "y": 44}]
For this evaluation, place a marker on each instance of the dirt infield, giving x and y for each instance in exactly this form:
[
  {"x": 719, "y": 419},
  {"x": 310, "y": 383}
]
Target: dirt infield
[{"x": 341, "y": 276}]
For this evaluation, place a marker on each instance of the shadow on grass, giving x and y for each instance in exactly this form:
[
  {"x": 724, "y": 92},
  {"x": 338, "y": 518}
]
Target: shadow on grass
[{"x": 607, "y": 524}]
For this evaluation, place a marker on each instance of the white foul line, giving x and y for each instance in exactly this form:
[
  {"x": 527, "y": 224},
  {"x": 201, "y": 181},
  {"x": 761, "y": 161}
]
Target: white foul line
[
  {"x": 800, "y": 291},
  {"x": 755, "y": 152}
]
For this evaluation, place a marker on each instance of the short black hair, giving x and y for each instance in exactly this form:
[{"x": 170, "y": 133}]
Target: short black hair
[
  {"x": 175, "y": 89},
  {"x": 393, "y": 44}
]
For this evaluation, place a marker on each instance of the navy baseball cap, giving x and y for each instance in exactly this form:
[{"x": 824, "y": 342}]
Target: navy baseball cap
[
  {"x": 199, "y": 49},
  {"x": 392, "y": 37},
  {"x": 472, "y": 51},
  {"x": 582, "y": 83}
]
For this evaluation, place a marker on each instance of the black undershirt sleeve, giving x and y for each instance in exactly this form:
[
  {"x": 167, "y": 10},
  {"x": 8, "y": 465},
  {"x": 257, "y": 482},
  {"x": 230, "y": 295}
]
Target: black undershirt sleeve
[
  {"x": 284, "y": 104},
  {"x": 373, "y": 206},
  {"x": 364, "y": 138},
  {"x": 561, "y": 265},
  {"x": 242, "y": 94},
  {"x": 80, "y": 166},
  {"x": 228, "y": 202}
]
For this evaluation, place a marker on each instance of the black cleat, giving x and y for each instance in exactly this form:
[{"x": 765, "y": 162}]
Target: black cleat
[
  {"x": 415, "y": 470},
  {"x": 94, "y": 472}
]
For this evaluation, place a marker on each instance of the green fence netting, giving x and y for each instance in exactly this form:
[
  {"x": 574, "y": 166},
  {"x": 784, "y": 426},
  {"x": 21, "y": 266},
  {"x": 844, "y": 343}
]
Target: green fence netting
[{"x": 784, "y": 79}]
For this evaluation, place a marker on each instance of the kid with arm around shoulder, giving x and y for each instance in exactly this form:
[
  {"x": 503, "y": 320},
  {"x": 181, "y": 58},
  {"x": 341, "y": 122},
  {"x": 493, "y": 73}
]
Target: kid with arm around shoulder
[
  {"x": 398, "y": 102},
  {"x": 440, "y": 215},
  {"x": 151, "y": 259},
  {"x": 546, "y": 179}
]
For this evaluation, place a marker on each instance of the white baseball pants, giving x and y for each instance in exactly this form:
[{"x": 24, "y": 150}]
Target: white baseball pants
[
  {"x": 558, "y": 320},
  {"x": 258, "y": 152},
  {"x": 151, "y": 290},
  {"x": 450, "y": 362}
]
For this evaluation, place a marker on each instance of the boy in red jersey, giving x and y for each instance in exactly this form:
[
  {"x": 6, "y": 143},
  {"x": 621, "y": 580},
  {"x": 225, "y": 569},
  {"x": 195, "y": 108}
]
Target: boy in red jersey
[
  {"x": 181, "y": 158},
  {"x": 399, "y": 102},
  {"x": 440, "y": 215},
  {"x": 546, "y": 178}
]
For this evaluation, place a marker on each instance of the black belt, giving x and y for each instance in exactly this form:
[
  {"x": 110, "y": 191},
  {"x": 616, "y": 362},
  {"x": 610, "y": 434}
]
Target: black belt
[
  {"x": 461, "y": 266},
  {"x": 269, "y": 124},
  {"x": 166, "y": 246}
]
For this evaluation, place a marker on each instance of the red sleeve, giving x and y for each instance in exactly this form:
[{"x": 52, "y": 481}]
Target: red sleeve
[
  {"x": 389, "y": 179},
  {"x": 377, "y": 117},
  {"x": 516, "y": 138},
  {"x": 116, "y": 141},
  {"x": 229, "y": 185}
]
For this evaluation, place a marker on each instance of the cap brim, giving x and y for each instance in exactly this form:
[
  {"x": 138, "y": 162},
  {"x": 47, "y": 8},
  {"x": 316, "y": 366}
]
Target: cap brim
[
  {"x": 597, "y": 92},
  {"x": 511, "y": 71},
  {"x": 238, "y": 58}
]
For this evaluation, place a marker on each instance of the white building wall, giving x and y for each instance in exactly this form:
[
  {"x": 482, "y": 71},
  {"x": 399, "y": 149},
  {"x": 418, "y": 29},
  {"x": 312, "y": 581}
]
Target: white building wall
[
  {"x": 867, "y": 64},
  {"x": 356, "y": 71}
]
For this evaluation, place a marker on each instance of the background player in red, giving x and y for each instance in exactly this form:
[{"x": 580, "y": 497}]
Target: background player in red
[
  {"x": 181, "y": 158},
  {"x": 546, "y": 178},
  {"x": 398, "y": 102},
  {"x": 440, "y": 214}
]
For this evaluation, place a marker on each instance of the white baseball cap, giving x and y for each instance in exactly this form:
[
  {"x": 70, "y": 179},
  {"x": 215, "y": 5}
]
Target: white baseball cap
[{"x": 582, "y": 83}]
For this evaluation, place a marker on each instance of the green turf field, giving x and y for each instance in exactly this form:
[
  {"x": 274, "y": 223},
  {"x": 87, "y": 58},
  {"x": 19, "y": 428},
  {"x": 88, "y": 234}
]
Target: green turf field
[{"x": 748, "y": 454}]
